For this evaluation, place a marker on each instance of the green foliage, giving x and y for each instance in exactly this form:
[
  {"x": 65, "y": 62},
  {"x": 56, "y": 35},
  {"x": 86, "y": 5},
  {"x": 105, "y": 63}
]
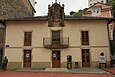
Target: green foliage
[
  {"x": 112, "y": 3},
  {"x": 72, "y": 12},
  {"x": 79, "y": 13}
]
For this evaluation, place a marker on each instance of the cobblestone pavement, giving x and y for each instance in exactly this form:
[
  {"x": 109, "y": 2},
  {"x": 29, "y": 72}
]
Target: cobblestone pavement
[{"x": 45, "y": 74}]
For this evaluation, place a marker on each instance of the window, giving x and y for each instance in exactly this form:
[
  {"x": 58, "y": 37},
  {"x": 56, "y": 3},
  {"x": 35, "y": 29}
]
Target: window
[
  {"x": 93, "y": 10},
  {"x": 55, "y": 35},
  {"x": 27, "y": 38},
  {"x": 102, "y": 2},
  {"x": 85, "y": 37},
  {"x": 107, "y": 1},
  {"x": 97, "y": 10}
]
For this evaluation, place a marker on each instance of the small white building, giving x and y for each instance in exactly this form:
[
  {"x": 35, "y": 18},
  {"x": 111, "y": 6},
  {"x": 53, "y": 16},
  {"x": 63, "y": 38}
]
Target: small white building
[
  {"x": 33, "y": 2},
  {"x": 92, "y": 2}
]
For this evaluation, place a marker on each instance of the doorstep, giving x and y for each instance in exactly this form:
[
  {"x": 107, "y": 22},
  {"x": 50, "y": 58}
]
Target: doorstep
[{"x": 56, "y": 70}]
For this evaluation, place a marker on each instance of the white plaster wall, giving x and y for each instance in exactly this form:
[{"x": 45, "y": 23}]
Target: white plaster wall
[
  {"x": 98, "y": 39},
  {"x": 14, "y": 54},
  {"x": 98, "y": 35},
  {"x": 41, "y": 55}
]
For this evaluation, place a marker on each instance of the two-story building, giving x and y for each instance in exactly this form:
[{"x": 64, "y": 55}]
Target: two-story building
[{"x": 47, "y": 41}]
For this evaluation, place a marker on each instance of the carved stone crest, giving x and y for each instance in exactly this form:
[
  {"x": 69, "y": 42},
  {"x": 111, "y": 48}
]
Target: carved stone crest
[{"x": 55, "y": 15}]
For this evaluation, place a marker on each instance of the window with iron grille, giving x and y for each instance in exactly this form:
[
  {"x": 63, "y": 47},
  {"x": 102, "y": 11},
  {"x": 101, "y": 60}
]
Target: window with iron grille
[
  {"x": 27, "y": 38},
  {"x": 85, "y": 37}
]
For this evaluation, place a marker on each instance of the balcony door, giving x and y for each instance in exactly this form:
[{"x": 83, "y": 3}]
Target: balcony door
[{"x": 55, "y": 38}]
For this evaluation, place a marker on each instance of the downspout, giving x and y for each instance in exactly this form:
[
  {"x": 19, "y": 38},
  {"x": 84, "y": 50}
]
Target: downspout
[
  {"x": 2, "y": 22},
  {"x": 4, "y": 38},
  {"x": 114, "y": 30},
  {"x": 3, "y": 41},
  {"x": 108, "y": 22}
]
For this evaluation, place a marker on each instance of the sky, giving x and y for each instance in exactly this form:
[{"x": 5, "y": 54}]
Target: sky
[{"x": 70, "y": 5}]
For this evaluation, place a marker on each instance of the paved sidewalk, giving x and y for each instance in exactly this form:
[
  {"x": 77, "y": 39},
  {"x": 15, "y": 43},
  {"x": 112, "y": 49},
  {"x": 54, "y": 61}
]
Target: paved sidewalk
[
  {"x": 111, "y": 70},
  {"x": 41, "y": 74},
  {"x": 88, "y": 71},
  {"x": 65, "y": 70},
  {"x": 56, "y": 70},
  {"x": 80, "y": 72}
]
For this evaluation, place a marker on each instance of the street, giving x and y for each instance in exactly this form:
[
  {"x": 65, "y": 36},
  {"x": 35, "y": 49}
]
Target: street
[{"x": 42, "y": 74}]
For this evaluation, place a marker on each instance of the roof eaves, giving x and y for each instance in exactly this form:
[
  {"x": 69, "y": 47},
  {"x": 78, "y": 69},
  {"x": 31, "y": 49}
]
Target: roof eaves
[
  {"x": 29, "y": 18},
  {"x": 84, "y": 18}
]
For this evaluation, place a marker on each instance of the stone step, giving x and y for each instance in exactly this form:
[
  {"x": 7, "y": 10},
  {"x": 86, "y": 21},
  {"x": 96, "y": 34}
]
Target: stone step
[
  {"x": 56, "y": 69},
  {"x": 30, "y": 69}
]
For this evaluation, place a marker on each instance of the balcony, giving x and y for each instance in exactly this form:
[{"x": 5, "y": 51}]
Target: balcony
[{"x": 56, "y": 44}]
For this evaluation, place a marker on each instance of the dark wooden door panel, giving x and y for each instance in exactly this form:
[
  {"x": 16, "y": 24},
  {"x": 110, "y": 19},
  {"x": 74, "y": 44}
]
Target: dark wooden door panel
[
  {"x": 85, "y": 58},
  {"x": 55, "y": 59},
  {"x": 27, "y": 58}
]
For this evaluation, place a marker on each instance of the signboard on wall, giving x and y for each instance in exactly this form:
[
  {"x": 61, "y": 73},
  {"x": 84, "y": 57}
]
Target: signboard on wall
[
  {"x": 102, "y": 57},
  {"x": 54, "y": 55}
]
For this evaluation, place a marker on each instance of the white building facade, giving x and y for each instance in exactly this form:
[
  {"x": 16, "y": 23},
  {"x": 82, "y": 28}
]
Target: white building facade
[
  {"x": 55, "y": 40},
  {"x": 92, "y": 2}
]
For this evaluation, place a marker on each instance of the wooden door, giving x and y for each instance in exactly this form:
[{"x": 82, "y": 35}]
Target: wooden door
[
  {"x": 55, "y": 59},
  {"x": 27, "y": 58},
  {"x": 85, "y": 58}
]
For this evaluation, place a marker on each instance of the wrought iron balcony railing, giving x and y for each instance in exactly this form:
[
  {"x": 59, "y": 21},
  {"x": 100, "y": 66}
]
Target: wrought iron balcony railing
[{"x": 54, "y": 44}]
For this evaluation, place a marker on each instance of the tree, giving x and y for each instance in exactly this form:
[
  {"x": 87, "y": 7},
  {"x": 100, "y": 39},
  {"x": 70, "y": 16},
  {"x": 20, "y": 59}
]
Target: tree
[
  {"x": 112, "y": 3},
  {"x": 79, "y": 13},
  {"x": 72, "y": 12}
]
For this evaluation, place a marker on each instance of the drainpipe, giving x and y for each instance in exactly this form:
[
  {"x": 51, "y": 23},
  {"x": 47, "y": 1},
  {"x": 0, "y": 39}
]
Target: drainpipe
[
  {"x": 2, "y": 26},
  {"x": 108, "y": 22},
  {"x": 4, "y": 39}
]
